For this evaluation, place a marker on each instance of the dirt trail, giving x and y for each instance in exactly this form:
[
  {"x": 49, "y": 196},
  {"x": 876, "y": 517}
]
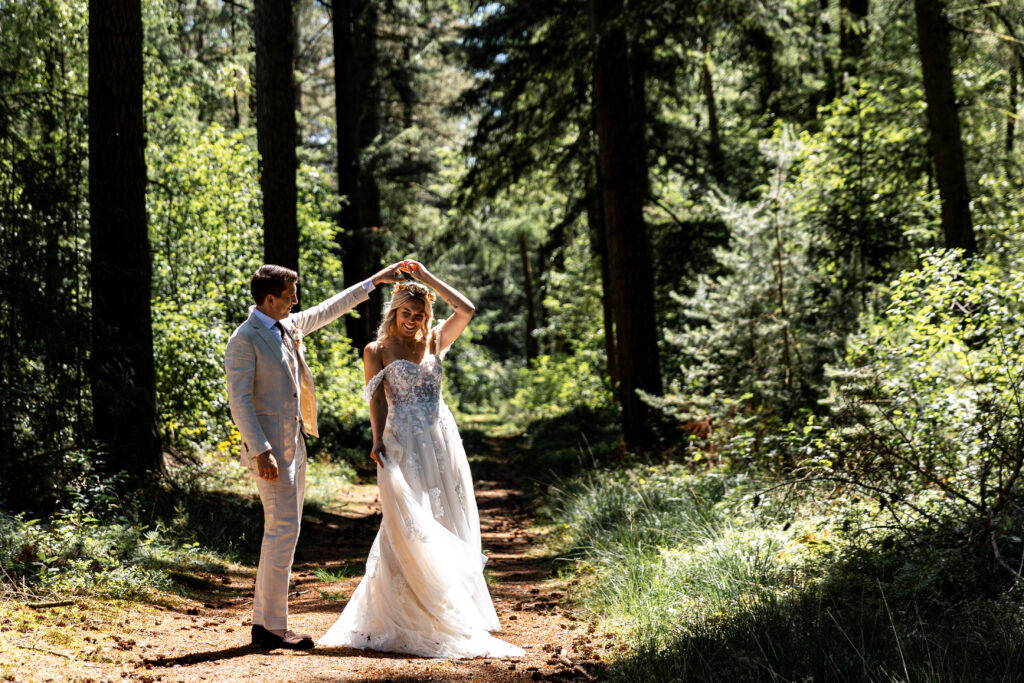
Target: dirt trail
[{"x": 208, "y": 640}]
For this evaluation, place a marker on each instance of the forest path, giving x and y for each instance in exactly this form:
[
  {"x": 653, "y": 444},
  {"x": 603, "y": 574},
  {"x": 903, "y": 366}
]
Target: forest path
[{"x": 208, "y": 639}]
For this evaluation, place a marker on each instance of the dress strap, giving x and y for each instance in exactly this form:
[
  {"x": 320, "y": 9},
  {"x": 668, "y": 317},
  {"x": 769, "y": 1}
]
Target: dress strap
[{"x": 371, "y": 387}]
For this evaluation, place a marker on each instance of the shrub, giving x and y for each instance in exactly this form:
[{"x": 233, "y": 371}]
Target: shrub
[{"x": 929, "y": 416}]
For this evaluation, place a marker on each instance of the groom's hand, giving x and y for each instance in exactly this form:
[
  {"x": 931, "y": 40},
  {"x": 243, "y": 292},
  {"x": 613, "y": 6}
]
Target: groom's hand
[
  {"x": 387, "y": 275},
  {"x": 266, "y": 466}
]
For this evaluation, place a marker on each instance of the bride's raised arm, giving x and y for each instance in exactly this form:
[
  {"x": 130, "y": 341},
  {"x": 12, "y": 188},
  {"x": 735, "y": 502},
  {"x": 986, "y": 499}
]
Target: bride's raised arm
[{"x": 462, "y": 308}]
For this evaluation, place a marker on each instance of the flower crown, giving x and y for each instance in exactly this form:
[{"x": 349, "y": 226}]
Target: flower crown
[{"x": 416, "y": 288}]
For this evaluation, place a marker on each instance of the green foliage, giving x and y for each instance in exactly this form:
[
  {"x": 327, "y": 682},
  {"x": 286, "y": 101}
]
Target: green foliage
[
  {"x": 204, "y": 226},
  {"x": 551, "y": 386},
  {"x": 747, "y": 352},
  {"x": 865, "y": 192},
  {"x": 97, "y": 545},
  {"x": 44, "y": 333},
  {"x": 713, "y": 578},
  {"x": 333, "y": 575},
  {"x": 928, "y": 404}
]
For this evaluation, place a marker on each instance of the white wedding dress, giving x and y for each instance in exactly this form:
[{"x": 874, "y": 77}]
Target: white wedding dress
[{"x": 423, "y": 592}]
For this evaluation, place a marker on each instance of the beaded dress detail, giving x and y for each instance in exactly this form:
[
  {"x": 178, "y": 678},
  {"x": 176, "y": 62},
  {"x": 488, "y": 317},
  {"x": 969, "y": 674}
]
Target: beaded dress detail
[{"x": 423, "y": 592}]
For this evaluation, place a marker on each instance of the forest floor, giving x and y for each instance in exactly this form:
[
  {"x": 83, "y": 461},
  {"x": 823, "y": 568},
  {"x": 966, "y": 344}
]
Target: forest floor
[{"x": 205, "y": 637}]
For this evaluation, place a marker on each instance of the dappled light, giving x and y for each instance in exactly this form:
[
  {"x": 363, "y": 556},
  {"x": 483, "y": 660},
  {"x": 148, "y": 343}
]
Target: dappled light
[{"x": 700, "y": 320}]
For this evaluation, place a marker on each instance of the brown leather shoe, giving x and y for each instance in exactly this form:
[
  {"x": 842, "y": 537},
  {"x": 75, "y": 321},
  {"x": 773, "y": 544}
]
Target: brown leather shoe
[{"x": 291, "y": 640}]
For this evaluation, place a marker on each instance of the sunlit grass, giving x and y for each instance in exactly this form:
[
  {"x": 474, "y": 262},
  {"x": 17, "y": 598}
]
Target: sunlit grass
[
  {"x": 332, "y": 595},
  {"x": 705, "y": 581},
  {"x": 325, "y": 481},
  {"x": 333, "y": 575}
]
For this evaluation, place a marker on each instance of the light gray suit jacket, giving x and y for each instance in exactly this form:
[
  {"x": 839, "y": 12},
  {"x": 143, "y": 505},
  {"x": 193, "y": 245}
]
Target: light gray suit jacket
[{"x": 270, "y": 387}]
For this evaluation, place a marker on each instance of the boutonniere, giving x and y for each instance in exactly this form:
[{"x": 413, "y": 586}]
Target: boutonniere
[{"x": 297, "y": 336}]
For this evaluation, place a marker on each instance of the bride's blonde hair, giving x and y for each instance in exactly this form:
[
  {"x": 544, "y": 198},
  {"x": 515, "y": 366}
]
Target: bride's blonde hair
[{"x": 406, "y": 291}]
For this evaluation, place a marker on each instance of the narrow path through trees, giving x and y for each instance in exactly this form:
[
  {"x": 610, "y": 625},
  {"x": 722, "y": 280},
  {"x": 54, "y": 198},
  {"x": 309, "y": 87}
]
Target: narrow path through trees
[{"x": 208, "y": 640}]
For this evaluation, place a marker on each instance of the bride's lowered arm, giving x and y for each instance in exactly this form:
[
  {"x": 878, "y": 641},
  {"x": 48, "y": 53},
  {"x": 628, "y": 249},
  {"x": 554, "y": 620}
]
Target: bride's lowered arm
[
  {"x": 462, "y": 308},
  {"x": 372, "y": 364}
]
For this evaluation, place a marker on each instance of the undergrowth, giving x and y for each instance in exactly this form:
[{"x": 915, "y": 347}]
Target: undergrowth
[
  {"x": 716, "y": 576},
  {"x": 205, "y": 518}
]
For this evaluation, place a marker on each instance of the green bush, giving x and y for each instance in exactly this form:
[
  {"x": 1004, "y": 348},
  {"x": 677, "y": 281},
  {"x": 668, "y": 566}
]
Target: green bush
[
  {"x": 98, "y": 545},
  {"x": 553, "y": 385},
  {"x": 929, "y": 415}
]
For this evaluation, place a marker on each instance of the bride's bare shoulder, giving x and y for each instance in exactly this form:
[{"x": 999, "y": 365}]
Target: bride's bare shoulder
[{"x": 373, "y": 351}]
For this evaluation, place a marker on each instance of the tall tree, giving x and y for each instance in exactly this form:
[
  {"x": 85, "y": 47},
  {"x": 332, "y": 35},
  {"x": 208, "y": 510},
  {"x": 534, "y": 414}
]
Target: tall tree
[
  {"x": 623, "y": 172},
  {"x": 715, "y": 157},
  {"x": 276, "y": 129},
  {"x": 531, "y": 311},
  {"x": 357, "y": 124},
  {"x": 598, "y": 236},
  {"x": 123, "y": 376},
  {"x": 944, "y": 125},
  {"x": 1010, "y": 120}
]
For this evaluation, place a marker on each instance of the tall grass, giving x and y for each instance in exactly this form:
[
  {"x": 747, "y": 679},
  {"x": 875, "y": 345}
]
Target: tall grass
[{"x": 711, "y": 581}]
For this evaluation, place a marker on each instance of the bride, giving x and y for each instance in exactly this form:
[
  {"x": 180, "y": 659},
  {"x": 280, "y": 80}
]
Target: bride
[{"x": 423, "y": 592}]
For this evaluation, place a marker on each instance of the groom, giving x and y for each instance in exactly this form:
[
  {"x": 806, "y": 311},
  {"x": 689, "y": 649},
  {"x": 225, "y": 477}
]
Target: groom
[{"x": 270, "y": 391}]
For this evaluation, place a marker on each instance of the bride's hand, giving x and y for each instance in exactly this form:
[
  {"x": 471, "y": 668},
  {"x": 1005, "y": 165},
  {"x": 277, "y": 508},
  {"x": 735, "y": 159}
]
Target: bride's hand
[
  {"x": 415, "y": 268},
  {"x": 378, "y": 453}
]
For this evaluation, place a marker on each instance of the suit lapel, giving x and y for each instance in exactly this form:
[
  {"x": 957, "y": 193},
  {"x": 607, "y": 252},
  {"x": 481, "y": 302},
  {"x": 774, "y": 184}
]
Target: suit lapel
[{"x": 274, "y": 345}]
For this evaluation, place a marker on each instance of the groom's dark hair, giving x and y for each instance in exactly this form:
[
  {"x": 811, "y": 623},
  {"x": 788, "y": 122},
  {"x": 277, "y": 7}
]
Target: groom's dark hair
[{"x": 270, "y": 279}]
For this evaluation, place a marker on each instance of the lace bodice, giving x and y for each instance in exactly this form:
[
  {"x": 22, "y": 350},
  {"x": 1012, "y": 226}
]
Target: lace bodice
[{"x": 408, "y": 383}]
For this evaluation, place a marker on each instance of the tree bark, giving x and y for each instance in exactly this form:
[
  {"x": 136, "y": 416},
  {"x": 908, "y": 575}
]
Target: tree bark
[
  {"x": 531, "y": 311},
  {"x": 1010, "y": 121},
  {"x": 276, "y": 129},
  {"x": 622, "y": 176},
  {"x": 764, "y": 46},
  {"x": 123, "y": 376},
  {"x": 944, "y": 125},
  {"x": 851, "y": 42},
  {"x": 236, "y": 116},
  {"x": 599, "y": 242},
  {"x": 361, "y": 203},
  {"x": 829, "y": 91},
  {"x": 715, "y": 142}
]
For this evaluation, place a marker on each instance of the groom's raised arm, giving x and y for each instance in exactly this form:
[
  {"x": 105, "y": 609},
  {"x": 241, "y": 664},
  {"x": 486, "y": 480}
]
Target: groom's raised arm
[
  {"x": 341, "y": 303},
  {"x": 327, "y": 311},
  {"x": 240, "y": 368}
]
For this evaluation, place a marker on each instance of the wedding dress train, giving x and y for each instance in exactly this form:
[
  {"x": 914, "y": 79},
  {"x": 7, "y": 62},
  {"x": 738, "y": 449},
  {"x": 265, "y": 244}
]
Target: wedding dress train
[{"x": 423, "y": 592}]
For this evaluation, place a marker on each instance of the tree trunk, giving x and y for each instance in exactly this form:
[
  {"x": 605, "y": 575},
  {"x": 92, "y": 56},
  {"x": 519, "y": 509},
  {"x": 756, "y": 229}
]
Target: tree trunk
[
  {"x": 944, "y": 125},
  {"x": 851, "y": 42},
  {"x": 1010, "y": 120},
  {"x": 764, "y": 46},
  {"x": 368, "y": 83},
  {"x": 829, "y": 92},
  {"x": 123, "y": 375},
  {"x": 236, "y": 116},
  {"x": 531, "y": 311},
  {"x": 715, "y": 142},
  {"x": 622, "y": 175},
  {"x": 276, "y": 129},
  {"x": 356, "y": 239},
  {"x": 599, "y": 242}
]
